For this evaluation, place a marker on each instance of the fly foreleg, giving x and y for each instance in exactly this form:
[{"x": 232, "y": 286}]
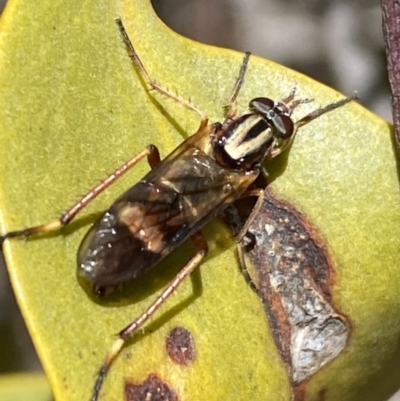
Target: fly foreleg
[
  {"x": 230, "y": 107},
  {"x": 130, "y": 330},
  {"x": 239, "y": 238},
  {"x": 153, "y": 158},
  {"x": 259, "y": 192}
]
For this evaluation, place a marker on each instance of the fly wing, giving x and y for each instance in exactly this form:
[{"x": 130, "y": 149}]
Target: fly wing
[
  {"x": 154, "y": 216},
  {"x": 129, "y": 237}
]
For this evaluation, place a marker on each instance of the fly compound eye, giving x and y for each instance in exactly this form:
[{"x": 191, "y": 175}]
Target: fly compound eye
[
  {"x": 282, "y": 126},
  {"x": 274, "y": 114},
  {"x": 261, "y": 105}
]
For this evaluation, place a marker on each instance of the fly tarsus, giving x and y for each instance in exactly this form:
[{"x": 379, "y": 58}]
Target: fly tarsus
[
  {"x": 27, "y": 232},
  {"x": 153, "y": 157},
  {"x": 152, "y": 83},
  {"x": 101, "y": 375},
  {"x": 131, "y": 329}
]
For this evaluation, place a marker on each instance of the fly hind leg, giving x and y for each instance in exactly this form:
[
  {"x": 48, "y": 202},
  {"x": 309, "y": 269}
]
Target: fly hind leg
[
  {"x": 130, "y": 330},
  {"x": 153, "y": 158}
]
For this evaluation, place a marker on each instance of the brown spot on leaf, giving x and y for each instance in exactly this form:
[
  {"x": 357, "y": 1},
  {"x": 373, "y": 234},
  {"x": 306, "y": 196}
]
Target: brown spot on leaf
[
  {"x": 293, "y": 274},
  {"x": 152, "y": 389},
  {"x": 180, "y": 346}
]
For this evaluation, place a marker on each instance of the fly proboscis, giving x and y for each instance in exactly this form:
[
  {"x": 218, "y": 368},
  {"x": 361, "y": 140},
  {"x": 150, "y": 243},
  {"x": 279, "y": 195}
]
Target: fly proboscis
[{"x": 181, "y": 193}]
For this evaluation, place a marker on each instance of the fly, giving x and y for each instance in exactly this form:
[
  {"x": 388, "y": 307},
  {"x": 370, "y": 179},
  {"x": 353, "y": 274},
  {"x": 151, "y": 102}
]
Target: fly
[{"x": 197, "y": 181}]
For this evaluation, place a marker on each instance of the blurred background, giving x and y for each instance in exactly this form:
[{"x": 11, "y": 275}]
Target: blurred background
[{"x": 339, "y": 43}]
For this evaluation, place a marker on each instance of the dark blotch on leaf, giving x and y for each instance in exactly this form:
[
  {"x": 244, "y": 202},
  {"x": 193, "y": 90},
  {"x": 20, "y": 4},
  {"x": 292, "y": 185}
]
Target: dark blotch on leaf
[
  {"x": 290, "y": 267},
  {"x": 180, "y": 346},
  {"x": 152, "y": 389}
]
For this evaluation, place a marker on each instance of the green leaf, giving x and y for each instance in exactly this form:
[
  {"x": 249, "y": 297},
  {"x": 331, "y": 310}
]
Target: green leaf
[
  {"x": 72, "y": 108},
  {"x": 33, "y": 387}
]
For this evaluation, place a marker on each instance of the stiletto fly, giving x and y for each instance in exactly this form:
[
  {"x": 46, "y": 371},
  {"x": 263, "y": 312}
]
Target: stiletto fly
[{"x": 198, "y": 180}]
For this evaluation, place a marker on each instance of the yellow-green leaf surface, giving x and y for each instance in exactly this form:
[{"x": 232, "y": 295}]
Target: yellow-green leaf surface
[
  {"x": 73, "y": 108},
  {"x": 32, "y": 387}
]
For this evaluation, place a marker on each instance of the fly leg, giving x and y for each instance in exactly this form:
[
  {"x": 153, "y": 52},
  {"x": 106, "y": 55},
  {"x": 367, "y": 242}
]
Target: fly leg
[
  {"x": 242, "y": 234},
  {"x": 230, "y": 107},
  {"x": 132, "y": 328},
  {"x": 245, "y": 271},
  {"x": 153, "y": 158},
  {"x": 259, "y": 192},
  {"x": 151, "y": 82}
]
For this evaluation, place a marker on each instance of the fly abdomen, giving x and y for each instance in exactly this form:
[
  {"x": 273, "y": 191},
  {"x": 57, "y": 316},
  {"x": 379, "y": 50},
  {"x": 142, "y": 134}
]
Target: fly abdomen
[
  {"x": 130, "y": 237},
  {"x": 110, "y": 255}
]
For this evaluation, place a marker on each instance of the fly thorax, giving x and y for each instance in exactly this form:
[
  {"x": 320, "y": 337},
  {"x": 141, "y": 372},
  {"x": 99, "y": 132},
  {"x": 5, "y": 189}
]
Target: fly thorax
[{"x": 243, "y": 143}]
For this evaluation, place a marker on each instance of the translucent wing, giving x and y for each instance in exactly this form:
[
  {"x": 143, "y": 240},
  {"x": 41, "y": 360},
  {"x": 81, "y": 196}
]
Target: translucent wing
[{"x": 156, "y": 215}]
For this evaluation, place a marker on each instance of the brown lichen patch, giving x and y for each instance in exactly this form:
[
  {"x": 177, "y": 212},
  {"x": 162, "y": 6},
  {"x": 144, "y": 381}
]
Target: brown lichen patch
[
  {"x": 293, "y": 274},
  {"x": 180, "y": 346},
  {"x": 152, "y": 389}
]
